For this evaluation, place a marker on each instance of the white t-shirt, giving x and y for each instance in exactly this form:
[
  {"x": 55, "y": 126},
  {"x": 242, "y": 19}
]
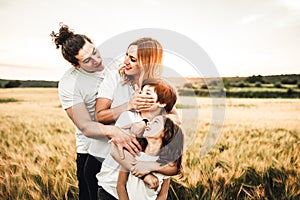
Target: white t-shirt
[
  {"x": 137, "y": 189},
  {"x": 108, "y": 176},
  {"x": 78, "y": 86},
  {"x": 113, "y": 88}
]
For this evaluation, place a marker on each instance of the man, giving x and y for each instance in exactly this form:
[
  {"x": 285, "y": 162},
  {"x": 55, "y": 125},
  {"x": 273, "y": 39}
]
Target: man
[{"x": 77, "y": 93}]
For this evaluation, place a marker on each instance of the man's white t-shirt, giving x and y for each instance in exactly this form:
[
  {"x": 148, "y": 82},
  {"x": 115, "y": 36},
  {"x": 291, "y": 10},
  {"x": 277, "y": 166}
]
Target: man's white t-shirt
[{"x": 78, "y": 86}]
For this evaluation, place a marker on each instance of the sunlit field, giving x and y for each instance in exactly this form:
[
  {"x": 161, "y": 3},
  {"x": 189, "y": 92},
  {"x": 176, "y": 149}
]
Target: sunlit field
[{"x": 256, "y": 155}]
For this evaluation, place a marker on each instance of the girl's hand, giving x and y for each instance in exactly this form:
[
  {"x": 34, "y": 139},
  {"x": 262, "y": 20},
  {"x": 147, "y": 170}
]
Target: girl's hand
[{"x": 151, "y": 181}]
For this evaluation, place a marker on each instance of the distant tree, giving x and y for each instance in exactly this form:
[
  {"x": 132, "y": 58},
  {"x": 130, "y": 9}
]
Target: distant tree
[
  {"x": 204, "y": 86},
  {"x": 289, "y": 91},
  {"x": 253, "y": 79},
  {"x": 242, "y": 84},
  {"x": 277, "y": 85},
  {"x": 188, "y": 85},
  {"x": 289, "y": 81},
  {"x": 258, "y": 84},
  {"x": 226, "y": 83},
  {"x": 213, "y": 83},
  {"x": 13, "y": 84}
]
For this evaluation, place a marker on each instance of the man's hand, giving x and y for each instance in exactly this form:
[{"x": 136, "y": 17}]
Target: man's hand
[
  {"x": 138, "y": 128},
  {"x": 126, "y": 141},
  {"x": 151, "y": 181}
]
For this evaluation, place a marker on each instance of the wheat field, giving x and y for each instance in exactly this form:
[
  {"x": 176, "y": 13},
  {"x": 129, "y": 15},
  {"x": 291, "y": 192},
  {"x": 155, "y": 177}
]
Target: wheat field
[{"x": 256, "y": 155}]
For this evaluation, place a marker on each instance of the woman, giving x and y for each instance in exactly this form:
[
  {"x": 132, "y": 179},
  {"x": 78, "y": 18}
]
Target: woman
[
  {"x": 119, "y": 92},
  {"x": 143, "y": 60}
]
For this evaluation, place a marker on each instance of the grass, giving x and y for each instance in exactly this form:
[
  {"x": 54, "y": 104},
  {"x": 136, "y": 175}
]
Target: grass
[
  {"x": 255, "y": 157},
  {"x": 8, "y": 100}
]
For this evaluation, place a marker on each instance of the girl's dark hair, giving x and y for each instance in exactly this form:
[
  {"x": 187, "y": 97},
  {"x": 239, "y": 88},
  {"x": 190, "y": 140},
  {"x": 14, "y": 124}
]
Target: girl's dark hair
[
  {"x": 172, "y": 145},
  {"x": 69, "y": 42}
]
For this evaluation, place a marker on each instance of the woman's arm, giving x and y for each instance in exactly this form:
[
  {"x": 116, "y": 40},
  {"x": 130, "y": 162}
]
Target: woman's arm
[
  {"x": 163, "y": 194},
  {"x": 174, "y": 115},
  {"x": 121, "y": 184},
  {"x": 105, "y": 114}
]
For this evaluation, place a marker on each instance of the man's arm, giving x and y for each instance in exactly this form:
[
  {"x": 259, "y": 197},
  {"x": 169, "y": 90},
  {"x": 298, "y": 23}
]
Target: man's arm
[{"x": 81, "y": 118}]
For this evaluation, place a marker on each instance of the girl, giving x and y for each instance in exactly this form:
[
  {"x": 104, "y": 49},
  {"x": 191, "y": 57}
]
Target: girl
[{"x": 162, "y": 142}]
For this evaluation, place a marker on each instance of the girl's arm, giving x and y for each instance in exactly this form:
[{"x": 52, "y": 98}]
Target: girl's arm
[
  {"x": 163, "y": 194},
  {"x": 141, "y": 168},
  {"x": 121, "y": 184}
]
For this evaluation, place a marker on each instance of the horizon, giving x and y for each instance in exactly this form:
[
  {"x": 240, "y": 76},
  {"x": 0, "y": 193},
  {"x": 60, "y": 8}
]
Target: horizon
[{"x": 168, "y": 77}]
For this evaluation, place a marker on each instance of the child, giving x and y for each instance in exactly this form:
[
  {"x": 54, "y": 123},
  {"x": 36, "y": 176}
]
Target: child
[
  {"x": 162, "y": 142},
  {"x": 165, "y": 98}
]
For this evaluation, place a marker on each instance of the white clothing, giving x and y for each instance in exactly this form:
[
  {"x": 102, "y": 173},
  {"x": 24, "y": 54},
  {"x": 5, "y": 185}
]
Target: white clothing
[
  {"x": 78, "y": 86},
  {"x": 137, "y": 189},
  {"x": 108, "y": 176},
  {"x": 112, "y": 88}
]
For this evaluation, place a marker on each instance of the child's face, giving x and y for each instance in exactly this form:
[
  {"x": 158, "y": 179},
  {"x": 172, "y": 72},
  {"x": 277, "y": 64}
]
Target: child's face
[
  {"x": 149, "y": 90},
  {"x": 154, "y": 128}
]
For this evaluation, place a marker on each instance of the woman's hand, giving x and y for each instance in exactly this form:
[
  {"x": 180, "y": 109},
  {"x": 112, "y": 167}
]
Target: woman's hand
[
  {"x": 141, "y": 168},
  {"x": 141, "y": 102}
]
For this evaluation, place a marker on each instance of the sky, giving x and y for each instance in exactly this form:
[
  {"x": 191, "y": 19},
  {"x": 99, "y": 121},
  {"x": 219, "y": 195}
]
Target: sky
[{"x": 241, "y": 37}]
